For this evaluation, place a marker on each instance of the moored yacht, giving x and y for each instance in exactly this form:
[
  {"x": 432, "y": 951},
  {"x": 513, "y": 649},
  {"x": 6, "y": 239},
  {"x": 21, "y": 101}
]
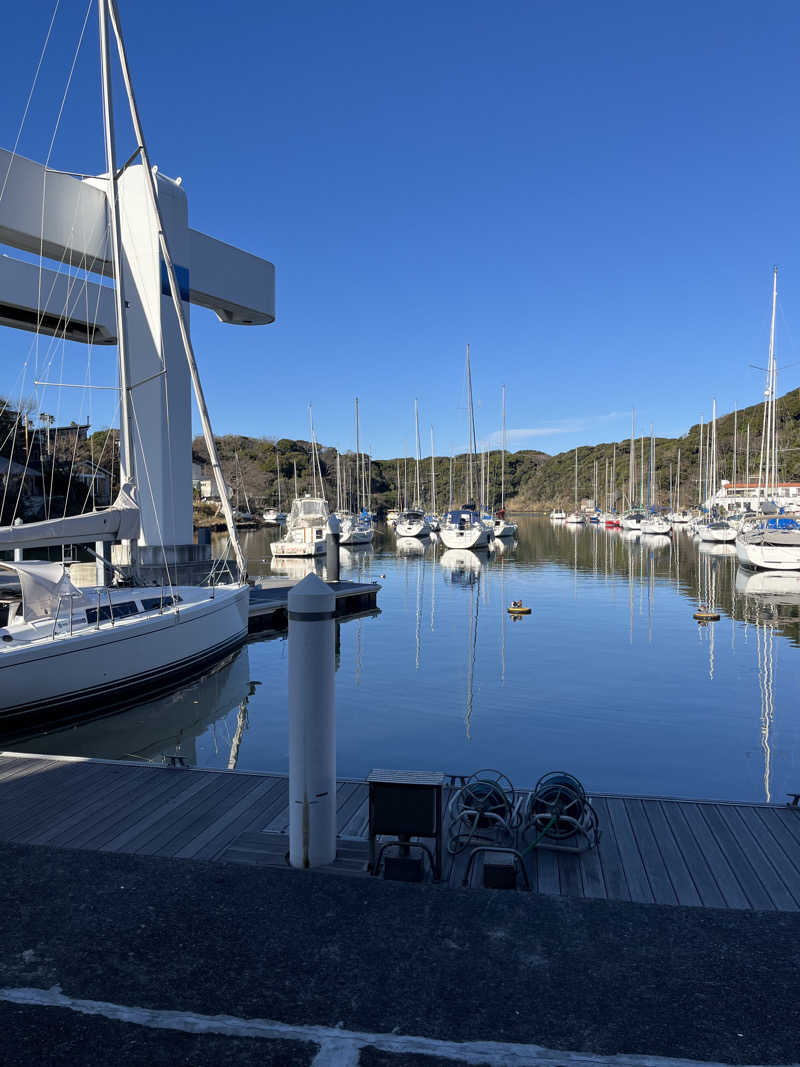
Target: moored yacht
[
  {"x": 464, "y": 528},
  {"x": 305, "y": 528}
]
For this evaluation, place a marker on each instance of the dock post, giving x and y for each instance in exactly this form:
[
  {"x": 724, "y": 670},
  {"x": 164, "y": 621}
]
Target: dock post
[
  {"x": 312, "y": 724},
  {"x": 332, "y": 536}
]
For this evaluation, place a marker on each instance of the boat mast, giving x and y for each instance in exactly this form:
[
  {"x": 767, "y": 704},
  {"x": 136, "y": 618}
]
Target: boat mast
[
  {"x": 632, "y": 472},
  {"x": 450, "y": 508},
  {"x": 678, "y": 484},
  {"x": 470, "y": 429},
  {"x": 700, "y": 467},
  {"x": 278, "y": 469},
  {"x": 503, "y": 458},
  {"x": 576, "y": 481},
  {"x": 358, "y": 472},
  {"x": 110, "y": 6},
  {"x": 641, "y": 472},
  {"x": 433, "y": 477},
  {"x": 417, "y": 489},
  {"x": 126, "y": 453},
  {"x": 713, "y": 459},
  {"x": 614, "y": 478},
  {"x": 734, "y": 471}
]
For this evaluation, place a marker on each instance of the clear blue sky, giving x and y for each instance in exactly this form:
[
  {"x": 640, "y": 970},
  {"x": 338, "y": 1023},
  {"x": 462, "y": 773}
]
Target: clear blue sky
[{"x": 593, "y": 195}]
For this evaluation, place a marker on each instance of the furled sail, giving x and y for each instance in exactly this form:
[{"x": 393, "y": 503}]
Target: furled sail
[{"x": 120, "y": 522}]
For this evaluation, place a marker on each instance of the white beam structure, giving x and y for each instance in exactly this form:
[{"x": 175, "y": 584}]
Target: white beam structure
[{"x": 65, "y": 218}]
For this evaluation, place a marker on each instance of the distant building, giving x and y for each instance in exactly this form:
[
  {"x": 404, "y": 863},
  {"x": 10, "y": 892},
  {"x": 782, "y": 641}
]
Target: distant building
[
  {"x": 208, "y": 489},
  {"x": 97, "y": 481},
  {"x": 739, "y": 496}
]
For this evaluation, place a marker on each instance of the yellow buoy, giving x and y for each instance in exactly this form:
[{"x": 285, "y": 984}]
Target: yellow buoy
[
  {"x": 704, "y": 614},
  {"x": 518, "y": 609}
]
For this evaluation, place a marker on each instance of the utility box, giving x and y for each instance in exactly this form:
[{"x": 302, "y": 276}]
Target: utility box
[{"x": 406, "y": 804}]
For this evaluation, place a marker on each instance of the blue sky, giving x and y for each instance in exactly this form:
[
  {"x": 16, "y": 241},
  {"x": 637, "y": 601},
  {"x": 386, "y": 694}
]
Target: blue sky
[{"x": 592, "y": 195}]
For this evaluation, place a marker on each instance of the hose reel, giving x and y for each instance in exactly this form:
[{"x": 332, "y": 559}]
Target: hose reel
[
  {"x": 558, "y": 815},
  {"x": 482, "y": 806}
]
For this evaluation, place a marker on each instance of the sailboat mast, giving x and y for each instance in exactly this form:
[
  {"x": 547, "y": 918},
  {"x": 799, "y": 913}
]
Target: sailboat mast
[
  {"x": 358, "y": 479},
  {"x": 470, "y": 428},
  {"x": 433, "y": 477},
  {"x": 632, "y": 472},
  {"x": 614, "y": 478},
  {"x": 641, "y": 472},
  {"x": 126, "y": 453},
  {"x": 576, "y": 481},
  {"x": 678, "y": 484},
  {"x": 175, "y": 293},
  {"x": 700, "y": 467},
  {"x": 713, "y": 482},
  {"x": 417, "y": 489},
  {"x": 450, "y": 507},
  {"x": 503, "y": 457}
]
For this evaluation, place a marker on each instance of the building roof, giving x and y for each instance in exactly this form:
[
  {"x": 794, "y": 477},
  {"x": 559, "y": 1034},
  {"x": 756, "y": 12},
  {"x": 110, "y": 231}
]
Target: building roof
[{"x": 7, "y": 465}]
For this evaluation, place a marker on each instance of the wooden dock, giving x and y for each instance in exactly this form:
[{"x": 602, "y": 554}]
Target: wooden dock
[
  {"x": 269, "y": 608},
  {"x": 651, "y": 849}
]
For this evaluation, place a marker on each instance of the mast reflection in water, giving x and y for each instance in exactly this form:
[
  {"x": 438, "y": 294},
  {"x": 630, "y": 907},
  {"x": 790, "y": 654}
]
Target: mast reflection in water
[{"x": 609, "y": 677}]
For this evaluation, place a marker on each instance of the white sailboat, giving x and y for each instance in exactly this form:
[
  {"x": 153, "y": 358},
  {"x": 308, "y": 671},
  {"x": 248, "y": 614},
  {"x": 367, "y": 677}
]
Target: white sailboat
[
  {"x": 65, "y": 650},
  {"x": 356, "y": 526},
  {"x": 413, "y": 522},
  {"x": 502, "y": 527},
  {"x": 463, "y": 527},
  {"x": 275, "y": 516},
  {"x": 576, "y": 517}
]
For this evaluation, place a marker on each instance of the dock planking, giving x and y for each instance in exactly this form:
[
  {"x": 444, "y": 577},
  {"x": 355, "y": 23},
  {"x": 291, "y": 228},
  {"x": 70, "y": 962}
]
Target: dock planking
[{"x": 652, "y": 849}]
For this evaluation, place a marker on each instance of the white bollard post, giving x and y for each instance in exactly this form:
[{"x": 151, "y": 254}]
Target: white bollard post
[{"x": 312, "y": 724}]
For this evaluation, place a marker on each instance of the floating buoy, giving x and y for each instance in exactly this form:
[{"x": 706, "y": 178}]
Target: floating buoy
[
  {"x": 705, "y": 614},
  {"x": 518, "y": 609}
]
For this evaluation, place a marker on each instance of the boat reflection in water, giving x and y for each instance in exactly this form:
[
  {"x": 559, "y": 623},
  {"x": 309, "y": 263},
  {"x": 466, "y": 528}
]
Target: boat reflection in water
[
  {"x": 285, "y": 567},
  {"x": 463, "y": 566},
  {"x": 411, "y": 546},
  {"x": 715, "y": 548},
  {"x": 770, "y": 587},
  {"x": 169, "y": 726}
]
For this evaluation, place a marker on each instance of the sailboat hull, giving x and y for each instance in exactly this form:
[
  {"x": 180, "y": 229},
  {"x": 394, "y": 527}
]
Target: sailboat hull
[{"x": 48, "y": 683}]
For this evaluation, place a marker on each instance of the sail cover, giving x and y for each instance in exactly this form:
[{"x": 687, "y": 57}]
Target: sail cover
[
  {"x": 120, "y": 522},
  {"x": 43, "y": 585}
]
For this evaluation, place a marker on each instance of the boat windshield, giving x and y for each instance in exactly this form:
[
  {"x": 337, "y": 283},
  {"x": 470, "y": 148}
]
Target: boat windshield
[{"x": 309, "y": 511}]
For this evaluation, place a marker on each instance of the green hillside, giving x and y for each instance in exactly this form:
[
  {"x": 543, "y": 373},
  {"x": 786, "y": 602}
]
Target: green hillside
[{"x": 534, "y": 480}]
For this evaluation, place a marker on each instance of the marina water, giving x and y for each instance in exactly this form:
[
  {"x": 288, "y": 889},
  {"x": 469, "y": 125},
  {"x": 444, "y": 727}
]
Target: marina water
[{"x": 609, "y": 677}]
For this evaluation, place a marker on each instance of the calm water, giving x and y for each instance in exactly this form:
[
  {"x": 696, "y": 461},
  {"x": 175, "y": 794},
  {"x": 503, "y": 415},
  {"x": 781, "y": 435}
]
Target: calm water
[{"x": 609, "y": 677}]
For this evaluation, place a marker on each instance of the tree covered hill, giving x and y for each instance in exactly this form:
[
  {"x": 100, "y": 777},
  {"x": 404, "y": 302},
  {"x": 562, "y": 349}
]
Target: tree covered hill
[{"x": 534, "y": 480}]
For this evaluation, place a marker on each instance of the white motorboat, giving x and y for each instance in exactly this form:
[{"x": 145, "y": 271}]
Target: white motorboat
[
  {"x": 772, "y": 544},
  {"x": 273, "y": 517},
  {"x": 558, "y": 514},
  {"x": 576, "y": 518},
  {"x": 392, "y": 517},
  {"x": 464, "y": 528},
  {"x": 305, "y": 529},
  {"x": 66, "y": 651}
]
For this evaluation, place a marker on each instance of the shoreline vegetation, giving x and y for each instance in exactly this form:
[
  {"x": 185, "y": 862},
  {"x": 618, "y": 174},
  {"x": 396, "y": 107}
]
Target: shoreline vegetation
[{"x": 535, "y": 480}]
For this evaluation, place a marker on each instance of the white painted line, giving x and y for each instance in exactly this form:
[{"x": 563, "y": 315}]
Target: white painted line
[{"x": 339, "y": 1047}]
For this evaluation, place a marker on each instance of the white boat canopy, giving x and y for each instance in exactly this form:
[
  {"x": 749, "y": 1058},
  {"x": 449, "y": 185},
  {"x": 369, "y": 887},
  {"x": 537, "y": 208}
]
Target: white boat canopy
[
  {"x": 120, "y": 522},
  {"x": 42, "y": 584}
]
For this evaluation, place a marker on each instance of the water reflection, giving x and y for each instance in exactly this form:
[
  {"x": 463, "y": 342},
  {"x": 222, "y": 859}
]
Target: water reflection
[
  {"x": 169, "y": 726},
  {"x": 610, "y": 677}
]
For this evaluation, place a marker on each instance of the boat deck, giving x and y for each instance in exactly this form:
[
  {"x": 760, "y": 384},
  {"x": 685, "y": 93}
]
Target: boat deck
[{"x": 651, "y": 849}]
